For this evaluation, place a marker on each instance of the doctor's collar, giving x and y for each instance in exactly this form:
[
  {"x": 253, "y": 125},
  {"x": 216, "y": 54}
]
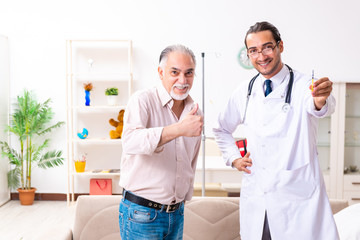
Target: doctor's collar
[{"x": 278, "y": 78}]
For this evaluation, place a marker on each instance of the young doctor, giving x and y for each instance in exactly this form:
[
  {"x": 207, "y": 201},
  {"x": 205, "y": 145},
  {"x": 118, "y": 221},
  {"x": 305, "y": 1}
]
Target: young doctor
[{"x": 283, "y": 194}]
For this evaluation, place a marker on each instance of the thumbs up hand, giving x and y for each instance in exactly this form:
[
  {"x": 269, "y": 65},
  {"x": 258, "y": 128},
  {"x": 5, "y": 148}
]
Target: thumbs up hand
[{"x": 191, "y": 125}]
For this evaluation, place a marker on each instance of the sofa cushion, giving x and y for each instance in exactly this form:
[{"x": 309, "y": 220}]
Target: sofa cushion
[
  {"x": 348, "y": 222},
  {"x": 96, "y": 218},
  {"x": 212, "y": 218},
  {"x": 338, "y": 205}
]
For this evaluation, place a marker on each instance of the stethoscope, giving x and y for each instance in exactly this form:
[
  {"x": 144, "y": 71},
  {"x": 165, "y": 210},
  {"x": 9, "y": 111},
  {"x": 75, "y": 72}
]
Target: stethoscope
[{"x": 286, "y": 105}]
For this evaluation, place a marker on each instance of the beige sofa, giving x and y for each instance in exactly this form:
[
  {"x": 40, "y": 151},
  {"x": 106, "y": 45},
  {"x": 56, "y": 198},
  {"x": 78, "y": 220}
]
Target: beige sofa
[{"x": 96, "y": 218}]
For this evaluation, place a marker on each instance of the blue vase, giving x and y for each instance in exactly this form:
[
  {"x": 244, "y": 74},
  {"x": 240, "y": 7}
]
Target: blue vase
[{"x": 87, "y": 98}]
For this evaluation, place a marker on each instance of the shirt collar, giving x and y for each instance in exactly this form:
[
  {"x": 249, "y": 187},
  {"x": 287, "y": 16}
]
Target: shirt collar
[
  {"x": 278, "y": 78},
  {"x": 164, "y": 96}
]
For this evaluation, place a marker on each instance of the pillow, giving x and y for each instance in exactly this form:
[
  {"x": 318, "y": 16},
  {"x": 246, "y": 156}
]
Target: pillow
[{"x": 348, "y": 222}]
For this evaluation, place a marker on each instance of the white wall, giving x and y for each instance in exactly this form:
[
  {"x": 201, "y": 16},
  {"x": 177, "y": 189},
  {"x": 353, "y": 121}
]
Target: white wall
[
  {"x": 317, "y": 34},
  {"x": 4, "y": 115}
]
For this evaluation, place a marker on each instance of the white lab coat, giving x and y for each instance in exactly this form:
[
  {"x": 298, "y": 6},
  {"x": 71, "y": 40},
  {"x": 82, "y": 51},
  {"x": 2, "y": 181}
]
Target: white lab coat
[{"x": 286, "y": 180}]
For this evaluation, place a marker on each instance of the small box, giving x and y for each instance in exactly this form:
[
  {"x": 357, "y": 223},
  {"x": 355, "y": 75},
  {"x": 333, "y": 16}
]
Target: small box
[{"x": 100, "y": 186}]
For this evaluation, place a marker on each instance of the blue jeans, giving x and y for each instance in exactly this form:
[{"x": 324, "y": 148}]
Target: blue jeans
[{"x": 137, "y": 222}]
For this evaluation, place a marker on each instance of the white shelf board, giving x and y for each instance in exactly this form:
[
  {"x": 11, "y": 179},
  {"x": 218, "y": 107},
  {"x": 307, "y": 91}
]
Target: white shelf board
[
  {"x": 98, "y": 40},
  {"x": 213, "y": 163},
  {"x": 88, "y": 173},
  {"x": 100, "y": 107},
  {"x": 352, "y": 144},
  {"x": 97, "y": 141},
  {"x": 357, "y": 173},
  {"x": 323, "y": 144},
  {"x": 100, "y": 77}
]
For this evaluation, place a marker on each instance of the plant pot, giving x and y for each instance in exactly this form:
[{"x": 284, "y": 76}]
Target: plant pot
[
  {"x": 80, "y": 166},
  {"x": 26, "y": 196},
  {"x": 112, "y": 99}
]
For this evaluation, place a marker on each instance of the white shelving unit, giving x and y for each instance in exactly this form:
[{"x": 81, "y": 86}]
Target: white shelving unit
[
  {"x": 344, "y": 146},
  {"x": 351, "y": 141},
  {"x": 104, "y": 63}
]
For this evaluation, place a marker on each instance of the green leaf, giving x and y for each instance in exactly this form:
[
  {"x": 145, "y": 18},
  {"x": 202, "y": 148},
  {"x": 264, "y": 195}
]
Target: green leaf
[
  {"x": 10, "y": 153},
  {"x": 13, "y": 177},
  {"x": 112, "y": 91},
  {"x": 51, "y": 159}
]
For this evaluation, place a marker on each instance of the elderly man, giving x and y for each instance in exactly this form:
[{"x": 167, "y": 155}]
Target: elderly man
[{"x": 161, "y": 141}]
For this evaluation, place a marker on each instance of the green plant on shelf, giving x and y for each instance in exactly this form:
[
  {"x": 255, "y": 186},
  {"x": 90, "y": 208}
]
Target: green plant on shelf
[{"x": 113, "y": 91}]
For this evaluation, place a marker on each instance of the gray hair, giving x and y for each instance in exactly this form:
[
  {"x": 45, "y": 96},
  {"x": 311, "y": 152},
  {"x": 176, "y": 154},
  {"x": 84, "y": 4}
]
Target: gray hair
[{"x": 175, "y": 48}]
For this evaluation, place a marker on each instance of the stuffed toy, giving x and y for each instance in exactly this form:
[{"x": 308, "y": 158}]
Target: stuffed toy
[
  {"x": 84, "y": 134},
  {"x": 114, "y": 134}
]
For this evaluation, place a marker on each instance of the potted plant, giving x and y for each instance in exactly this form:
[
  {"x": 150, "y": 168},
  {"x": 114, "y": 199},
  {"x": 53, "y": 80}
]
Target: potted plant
[
  {"x": 30, "y": 121},
  {"x": 112, "y": 94}
]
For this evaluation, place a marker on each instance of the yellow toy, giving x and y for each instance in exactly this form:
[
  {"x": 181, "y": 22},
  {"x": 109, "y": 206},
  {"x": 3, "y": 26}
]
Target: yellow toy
[{"x": 114, "y": 134}]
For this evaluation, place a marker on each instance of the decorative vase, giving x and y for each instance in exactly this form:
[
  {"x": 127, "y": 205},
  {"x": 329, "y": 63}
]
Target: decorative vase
[
  {"x": 26, "y": 196},
  {"x": 87, "y": 98},
  {"x": 80, "y": 166},
  {"x": 112, "y": 99}
]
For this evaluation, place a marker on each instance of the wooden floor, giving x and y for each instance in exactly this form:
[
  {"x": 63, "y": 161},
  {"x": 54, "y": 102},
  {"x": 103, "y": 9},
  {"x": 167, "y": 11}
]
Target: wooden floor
[{"x": 19, "y": 222}]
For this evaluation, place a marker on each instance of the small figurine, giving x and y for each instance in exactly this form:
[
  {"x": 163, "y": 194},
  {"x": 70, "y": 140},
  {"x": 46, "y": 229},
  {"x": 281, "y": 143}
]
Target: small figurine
[{"x": 84, "y": 134}]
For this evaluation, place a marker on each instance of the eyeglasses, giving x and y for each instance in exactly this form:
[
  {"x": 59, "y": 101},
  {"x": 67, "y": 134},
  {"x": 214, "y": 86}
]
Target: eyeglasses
[{"x": 267, "y": 49}]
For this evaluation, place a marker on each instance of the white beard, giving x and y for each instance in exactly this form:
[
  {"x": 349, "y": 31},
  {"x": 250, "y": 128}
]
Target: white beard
[{"x": 179, "y": 97}]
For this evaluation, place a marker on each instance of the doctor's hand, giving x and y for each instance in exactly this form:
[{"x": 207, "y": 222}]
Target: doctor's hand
[
  {"x": 322, "y": 90},
  {"x": 242, "y": 163}
]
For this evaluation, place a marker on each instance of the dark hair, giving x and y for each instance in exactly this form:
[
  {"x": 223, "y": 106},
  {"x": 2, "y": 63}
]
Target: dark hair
[
  {"x": 264, "y": 26},
  {"x": 165, "y": 53}
]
